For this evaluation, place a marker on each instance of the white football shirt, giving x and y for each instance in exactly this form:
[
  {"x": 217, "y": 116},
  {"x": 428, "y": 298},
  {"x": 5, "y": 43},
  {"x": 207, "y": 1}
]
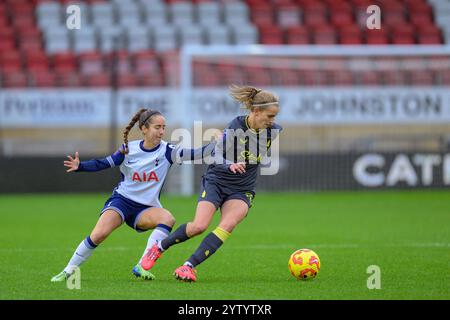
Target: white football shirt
[{"x": 143, "y": 173}]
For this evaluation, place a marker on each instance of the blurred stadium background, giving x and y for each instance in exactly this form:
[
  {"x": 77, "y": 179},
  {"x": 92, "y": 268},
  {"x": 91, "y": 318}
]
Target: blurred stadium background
[{"x": 362, "y": 109}]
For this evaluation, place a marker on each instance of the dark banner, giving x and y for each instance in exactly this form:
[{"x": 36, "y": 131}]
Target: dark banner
[
  {"x": 297, "y": 172},
  {"x": 43, "y": 174},
  {"x": 355, "y": 171}
]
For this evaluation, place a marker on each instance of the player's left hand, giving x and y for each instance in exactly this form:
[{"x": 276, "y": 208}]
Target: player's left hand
[
  {"x": 72, "y": 163},
  {"x": 238, "y": 167}
]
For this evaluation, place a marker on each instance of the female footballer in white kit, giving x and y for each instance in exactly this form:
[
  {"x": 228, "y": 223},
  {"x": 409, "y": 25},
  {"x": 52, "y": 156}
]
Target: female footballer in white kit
[{"x": 144, "y": 165}]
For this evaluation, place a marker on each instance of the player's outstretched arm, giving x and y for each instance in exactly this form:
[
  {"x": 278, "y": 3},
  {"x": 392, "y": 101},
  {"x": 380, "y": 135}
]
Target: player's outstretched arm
[
  {"x": 178, "y": 154},
  {"x": 75, "y": 165},
  {"x": 72, "y": 163}
]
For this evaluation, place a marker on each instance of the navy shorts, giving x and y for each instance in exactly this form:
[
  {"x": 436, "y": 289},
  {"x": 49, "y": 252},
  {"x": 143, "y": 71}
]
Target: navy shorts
[
  {"x": 128, "y": 209},
  {"x": 217, "y": 194}
]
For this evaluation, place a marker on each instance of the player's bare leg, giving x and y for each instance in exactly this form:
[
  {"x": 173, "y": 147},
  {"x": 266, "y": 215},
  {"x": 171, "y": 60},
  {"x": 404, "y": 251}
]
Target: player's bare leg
[{"x": 107, "y": 223}]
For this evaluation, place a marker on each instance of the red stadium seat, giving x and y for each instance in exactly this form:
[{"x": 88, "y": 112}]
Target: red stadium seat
[
  {"x": 7, "y": 44},
  {"x": 281, "y": 3},
  {"x": 341, "y": 17},
  {"x": 31, "y": 45},
  {"x": 151, "y": 80},
  {"x": 406, "y": 40},
  {"x": 350, "y": 40},
  {"x": 429, "y": 35},
  {"x": 23, "y": 21},
  {"x": 7, "y": 33},
  {"x": 260, "y": 78},
  {"x": 421, "y": 77},
  {"x": 20, "y": 9},
  {"x": 255, "y": 3},
  {"x": 278, "y": 22},
  {"x": 69, "y": 79},
  {"x": 367, "y": 77},
  {"x": 403, "y": 30},
  {"x": 36, "y": 57},
  {"x": 393, "y": 18},
  {"x": 36, "y": 61},
  {"x": 43, "y": 79},
  {"x": 341, "y": 78},
  {"x": 91, "y": 63},
  {"x": 314, "y": 77},
  {"x": 419, "y": 19},
  {"x": 14, "y": 80},
  {"x": 315, "y": 16},
  {"x": 443, "y": 76},
  {"x": 37, "y": 67},
  {"x": 288, "y": 14},
  {"x": 146, "y": 62},
  {"x": 225, "y": 66},
  {"x": 336, "y": 5},
  {"x": 418, "y": 6},
  {"x": 284, "y": 77},
  {"x": 334, "y": 63},
  {"x": 97, "y": 80},
  {"x": 262, "y": 13},
  {"x": 271, "y": 35},
  {"x": 4, "y": 21},
  {"x": 127, "y": 80},
  {"x": 206, "y": 79},
  {"x": 64, "y": 63},
  {"x": 120, "y": 61},
  {"x": 350, "y": 34},
  {"x": 324, "y": 34},
  {"x": 10, "y": 61},
  {"x": 297, "y": 35},
  {"x": 377, "y": 36},
  {"x": 403, "y": 34},
  {"x": 393, "y": 77},
  {"x": 238, "y": 77}
]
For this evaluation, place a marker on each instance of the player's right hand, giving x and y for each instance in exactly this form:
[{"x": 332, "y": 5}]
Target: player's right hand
[
  {"x": 72, "y": 163},
  {"x": 237, "y": 167}
]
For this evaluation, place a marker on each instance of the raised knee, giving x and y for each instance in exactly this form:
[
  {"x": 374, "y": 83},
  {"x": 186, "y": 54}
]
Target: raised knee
[
  {"x": 98, "y": 237},
  {"x": 169, "y": 220}
]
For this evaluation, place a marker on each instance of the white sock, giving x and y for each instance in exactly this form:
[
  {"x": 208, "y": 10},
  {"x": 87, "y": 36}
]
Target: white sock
[
  {"x": 159, "y": 233},
  {"x": 81, "y": 254}
]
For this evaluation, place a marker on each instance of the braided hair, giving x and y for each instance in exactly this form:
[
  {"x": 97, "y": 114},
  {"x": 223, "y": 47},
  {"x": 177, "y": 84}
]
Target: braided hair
[{"x": 143, "y": 116}]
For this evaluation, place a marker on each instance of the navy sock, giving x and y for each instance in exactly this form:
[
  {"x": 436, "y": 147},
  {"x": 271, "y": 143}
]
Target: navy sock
[
  {"x": 175, "y": 237},
  {"x": 209, "y": 245}
]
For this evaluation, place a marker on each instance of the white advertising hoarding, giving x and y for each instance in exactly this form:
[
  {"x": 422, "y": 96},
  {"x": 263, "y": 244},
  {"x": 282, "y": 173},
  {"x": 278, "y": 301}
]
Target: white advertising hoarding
[
  {"x": 39, "y": 108},
  {"x": 300, "y": 105}
]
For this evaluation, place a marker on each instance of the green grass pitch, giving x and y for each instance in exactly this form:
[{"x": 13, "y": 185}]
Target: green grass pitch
[{"x": 405, "y": 233}]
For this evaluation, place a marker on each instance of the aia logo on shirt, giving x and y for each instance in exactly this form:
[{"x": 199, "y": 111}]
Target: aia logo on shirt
[{"x": 145, "y": 177}]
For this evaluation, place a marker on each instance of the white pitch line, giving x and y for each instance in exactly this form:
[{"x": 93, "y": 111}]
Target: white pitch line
[{"x": 257, "y": 247}]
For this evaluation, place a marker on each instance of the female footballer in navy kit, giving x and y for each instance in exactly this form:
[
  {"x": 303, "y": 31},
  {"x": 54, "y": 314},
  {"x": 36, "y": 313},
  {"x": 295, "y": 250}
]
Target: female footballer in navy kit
[{"x": 229, "y": 186}]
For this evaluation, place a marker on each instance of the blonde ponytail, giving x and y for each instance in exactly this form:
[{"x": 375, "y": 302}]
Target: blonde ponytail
[{"x": 252, "y": 97}]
